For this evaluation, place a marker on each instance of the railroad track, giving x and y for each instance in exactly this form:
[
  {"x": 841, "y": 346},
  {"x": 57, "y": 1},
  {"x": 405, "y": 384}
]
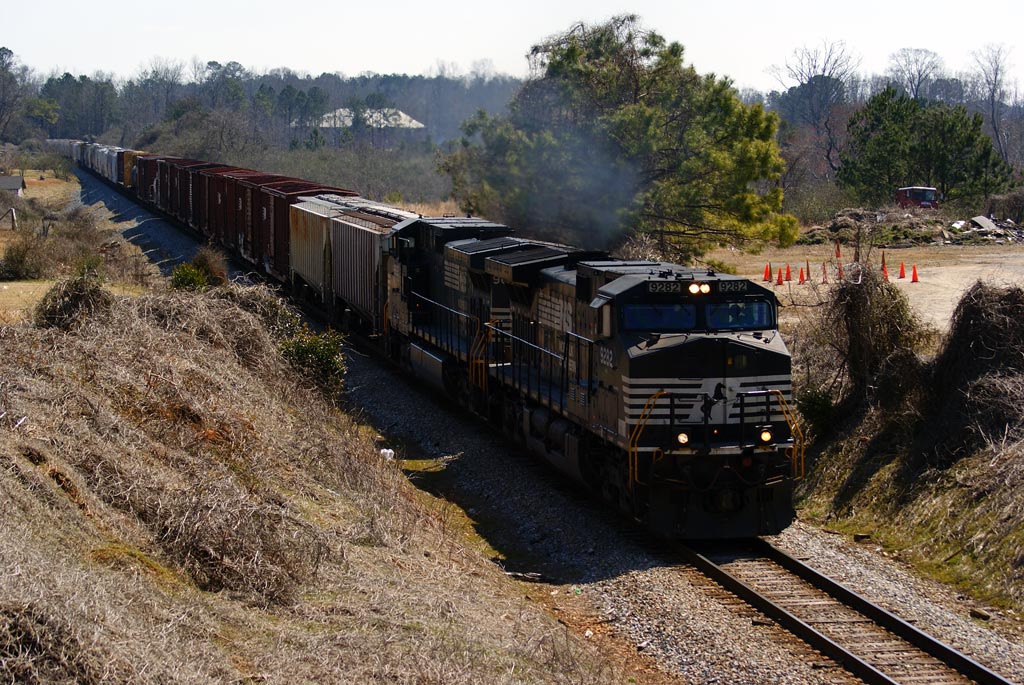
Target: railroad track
[{"x": 866, "y": 640}]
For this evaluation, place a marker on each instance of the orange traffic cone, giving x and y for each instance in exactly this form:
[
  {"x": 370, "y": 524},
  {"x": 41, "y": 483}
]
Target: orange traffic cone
[
  {"x": 779, "y": 282},
  {"x": 885, "y": 271},
  {"x": 913, "y": 275},
  {"x": 903, "y": 271},
  {"x": 789, "y": 274},
  {"x": 768, "y": 272},
  {"x": 802, "y": 279},
  {"x": 824, "y": 273}
]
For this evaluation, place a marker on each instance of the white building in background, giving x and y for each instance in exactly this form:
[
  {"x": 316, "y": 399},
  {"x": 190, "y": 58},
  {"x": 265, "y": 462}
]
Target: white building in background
[
  {"x": 343, "y": 117},
  {"x": 374, "y": 118}
]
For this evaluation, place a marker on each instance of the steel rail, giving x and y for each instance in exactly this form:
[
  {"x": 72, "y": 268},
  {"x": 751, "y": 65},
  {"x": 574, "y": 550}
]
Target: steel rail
[
  {"x": 894, "y": 624},
  {"x": 823, "y": 643}
]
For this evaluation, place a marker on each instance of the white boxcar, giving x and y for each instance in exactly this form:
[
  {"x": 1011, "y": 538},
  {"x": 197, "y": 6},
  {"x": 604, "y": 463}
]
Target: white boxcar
[
  {"x": 360, "y": 235},
  {"x": 309, "y": 224}
]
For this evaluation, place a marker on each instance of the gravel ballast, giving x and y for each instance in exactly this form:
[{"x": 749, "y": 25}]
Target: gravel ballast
[{"x": 602, "y": 578}]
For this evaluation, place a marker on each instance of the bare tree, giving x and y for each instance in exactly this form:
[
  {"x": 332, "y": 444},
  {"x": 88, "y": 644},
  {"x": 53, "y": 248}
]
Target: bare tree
[
  {"x": 166, "y": 75},
  {"x": 821, "y": 76},
  {"x": 993, "y": 64},
  {"x": 196, "y": 74},
  {"x": 914, "y": 69},
  {"x": 14, "y": 79}
]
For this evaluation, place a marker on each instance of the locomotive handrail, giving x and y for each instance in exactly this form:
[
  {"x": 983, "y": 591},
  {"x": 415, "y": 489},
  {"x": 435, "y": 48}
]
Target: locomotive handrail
[
  {"x": 553, "y": 359},
  {"x": 520, "y": 370},
  {"x": 634, "y": 438},
  {"x": 524, "y": 341},
  {"x": 447, "y": 329},
  {"x": 796, "y": 452},
  {"x": 478, "y": 355},
  {"x": 441, "y": 306}
]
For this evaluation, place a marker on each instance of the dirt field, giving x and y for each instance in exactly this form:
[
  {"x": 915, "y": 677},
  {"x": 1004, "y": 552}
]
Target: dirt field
[{"x": 944, "y": 271}]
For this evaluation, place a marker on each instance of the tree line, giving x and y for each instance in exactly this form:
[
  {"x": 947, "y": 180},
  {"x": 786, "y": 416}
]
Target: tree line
[
  {"x": 277, "y": 107},
  {"x": 916, "y": 124},
  {"x": 612, "y": 133}
]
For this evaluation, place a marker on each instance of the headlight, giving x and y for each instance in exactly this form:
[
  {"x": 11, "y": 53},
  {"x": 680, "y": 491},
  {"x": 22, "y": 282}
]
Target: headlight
[
  {"x": 683, "y": 438},
  {"x": 766, "y": 436},
  {"x": 694, "y": 288},
  {"x": 705, "y": 288}
]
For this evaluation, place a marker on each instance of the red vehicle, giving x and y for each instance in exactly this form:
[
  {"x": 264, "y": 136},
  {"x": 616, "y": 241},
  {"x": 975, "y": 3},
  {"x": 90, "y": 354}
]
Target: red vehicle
[{"x": 918, "y": 196}]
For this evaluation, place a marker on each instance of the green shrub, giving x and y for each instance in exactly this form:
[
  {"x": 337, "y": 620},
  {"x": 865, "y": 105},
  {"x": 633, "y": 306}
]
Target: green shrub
[
  {"x": 718, "y": 266},
  {"x": 318, "y": 356},
  {"x": 189, "y": 277},
  {"x": 23, "y": 259},
  {"x": 213, "y": 264},
  {"x": 818, "y": 409}
]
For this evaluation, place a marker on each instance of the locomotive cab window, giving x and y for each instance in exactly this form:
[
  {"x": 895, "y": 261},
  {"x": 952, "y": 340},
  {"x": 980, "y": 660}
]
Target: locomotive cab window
[
  {"x": 743, "y": 315},
  {"x": 659, "y": 318}
]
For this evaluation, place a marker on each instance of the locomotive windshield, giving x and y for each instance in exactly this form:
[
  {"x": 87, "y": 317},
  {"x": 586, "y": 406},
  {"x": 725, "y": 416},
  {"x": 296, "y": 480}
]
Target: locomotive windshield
[
  {"x": 660, "y": 318},
  {"x": 744, "y": 315},
  {"x": 729, "y": 315}
]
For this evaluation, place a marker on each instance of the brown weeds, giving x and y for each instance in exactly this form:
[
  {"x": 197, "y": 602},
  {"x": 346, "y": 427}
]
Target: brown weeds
[{"x": 180, "y": 508}]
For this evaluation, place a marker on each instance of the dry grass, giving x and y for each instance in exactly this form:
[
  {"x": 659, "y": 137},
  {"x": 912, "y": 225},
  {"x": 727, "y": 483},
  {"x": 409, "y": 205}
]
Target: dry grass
[
  {"x": 49, "y": 190},
  {"x": 59, "y": 236},
  {"x": 938, "y": 473},
  {"x": 178, "y": 508},
  {"x": 443, "y": 208}
]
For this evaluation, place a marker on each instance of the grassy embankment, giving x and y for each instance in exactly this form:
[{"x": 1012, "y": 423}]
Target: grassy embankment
[
  {"x": 180, "y": 505},
  {"x": 920, "y": 431}
]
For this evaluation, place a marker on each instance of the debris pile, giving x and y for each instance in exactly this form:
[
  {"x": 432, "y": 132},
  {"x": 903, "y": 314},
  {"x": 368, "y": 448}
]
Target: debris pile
[{"x": 904, "y": 228}]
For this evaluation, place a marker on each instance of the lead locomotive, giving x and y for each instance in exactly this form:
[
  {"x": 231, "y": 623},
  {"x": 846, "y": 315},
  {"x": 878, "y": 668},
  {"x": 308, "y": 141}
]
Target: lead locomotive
[{"x": 662, "y": 388}]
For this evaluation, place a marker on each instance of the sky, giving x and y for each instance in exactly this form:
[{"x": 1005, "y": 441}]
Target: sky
[{"x": 739, "y": 39}]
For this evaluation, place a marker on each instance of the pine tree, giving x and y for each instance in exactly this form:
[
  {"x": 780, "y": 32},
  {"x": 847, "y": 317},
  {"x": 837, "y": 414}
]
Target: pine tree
[{"x": 613, "y": 135}]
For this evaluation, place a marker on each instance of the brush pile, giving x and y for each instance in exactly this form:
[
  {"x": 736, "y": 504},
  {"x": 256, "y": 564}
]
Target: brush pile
[
  {"x": 895, "y": 227},
  {"x": 936, "y": 472},
  {"x": 979, "y": 374}
]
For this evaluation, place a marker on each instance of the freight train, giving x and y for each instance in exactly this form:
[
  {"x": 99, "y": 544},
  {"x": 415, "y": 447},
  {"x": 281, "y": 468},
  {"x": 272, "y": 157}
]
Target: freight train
[{"x": 661, "y": 388}]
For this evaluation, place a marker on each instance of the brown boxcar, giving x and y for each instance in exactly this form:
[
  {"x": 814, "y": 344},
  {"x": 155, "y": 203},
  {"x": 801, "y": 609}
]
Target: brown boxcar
[
  {"x": 239, "y": 214},
  {"x": 163, "y": 185},
  {"x": 147, "y": 177},
  {"x": 252, "y": 215},
  {"x": 182, "y": 192},
  {"x": 201, "y": 185},
  {"x": 218, "y": 203}
]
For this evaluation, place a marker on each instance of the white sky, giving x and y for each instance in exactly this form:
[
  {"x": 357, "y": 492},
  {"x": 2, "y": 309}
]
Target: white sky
[{"x": 740, "y": 39}]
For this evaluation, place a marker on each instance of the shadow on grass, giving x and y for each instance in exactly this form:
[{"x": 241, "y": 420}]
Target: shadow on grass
[{"x": 161, "y": 241}]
